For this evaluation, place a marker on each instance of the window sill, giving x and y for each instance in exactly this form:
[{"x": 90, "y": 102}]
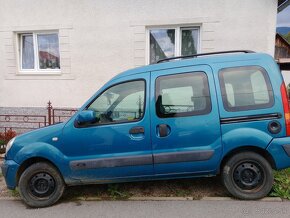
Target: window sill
[
  {"x": 39, "y": 76},
  {"x": 39, "y": 73}
]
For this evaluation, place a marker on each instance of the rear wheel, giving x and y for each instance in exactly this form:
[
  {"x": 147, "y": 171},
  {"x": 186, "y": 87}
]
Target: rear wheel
[
  {"x": 248, "y": 176},
  {"x": 41, "y": 185}
]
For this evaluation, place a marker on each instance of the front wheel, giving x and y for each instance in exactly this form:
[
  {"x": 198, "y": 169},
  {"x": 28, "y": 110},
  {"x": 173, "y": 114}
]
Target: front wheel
[
  {"x": 41, "y": 185},
  {"x": 248, "y": 176}
]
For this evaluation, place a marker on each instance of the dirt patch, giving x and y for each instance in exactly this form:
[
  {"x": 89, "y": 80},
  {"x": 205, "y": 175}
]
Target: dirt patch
[
  {"x": 4, "y": 192},
  {"x": 196, "y": 188}
]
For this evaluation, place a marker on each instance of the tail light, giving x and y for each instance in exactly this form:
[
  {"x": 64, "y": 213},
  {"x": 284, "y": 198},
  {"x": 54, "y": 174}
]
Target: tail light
[{"x": 286, "y": 108}]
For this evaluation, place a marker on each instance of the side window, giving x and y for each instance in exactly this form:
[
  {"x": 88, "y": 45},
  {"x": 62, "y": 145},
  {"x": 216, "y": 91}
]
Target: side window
[
  {"x": 245, "y": 88},
  {"x": 184, "y": 94},
  {"x": 120, "y": 103}
]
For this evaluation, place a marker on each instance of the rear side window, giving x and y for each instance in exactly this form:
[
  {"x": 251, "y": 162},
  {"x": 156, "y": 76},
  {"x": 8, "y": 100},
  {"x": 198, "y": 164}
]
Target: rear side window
[
  {"x": 184, "y": 94},
  {"x": 245, "y": 88}
]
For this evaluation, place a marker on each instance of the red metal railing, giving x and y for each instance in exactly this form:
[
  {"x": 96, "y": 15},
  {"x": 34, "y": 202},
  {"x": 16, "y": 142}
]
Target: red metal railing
[
  {"x": 23, "y": 122},
  {"x": 61, "y": 115},
  {"x": 58, "y": 115}
]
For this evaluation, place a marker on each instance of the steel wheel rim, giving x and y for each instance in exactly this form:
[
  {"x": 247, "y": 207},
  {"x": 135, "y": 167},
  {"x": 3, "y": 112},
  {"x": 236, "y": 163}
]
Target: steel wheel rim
[
  {"x": 248, "y": 176},
  {"x": 42, "y": 185}
]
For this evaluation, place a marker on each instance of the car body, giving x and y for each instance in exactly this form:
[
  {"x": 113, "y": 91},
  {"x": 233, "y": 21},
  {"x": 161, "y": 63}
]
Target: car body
[{"x": 198, "y": 116}]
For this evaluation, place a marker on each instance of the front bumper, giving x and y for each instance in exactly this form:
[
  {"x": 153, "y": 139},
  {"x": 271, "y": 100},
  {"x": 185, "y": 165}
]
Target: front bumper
[
  {"x": 9, "y": 170},
  {"x": 279, "y": 149}
]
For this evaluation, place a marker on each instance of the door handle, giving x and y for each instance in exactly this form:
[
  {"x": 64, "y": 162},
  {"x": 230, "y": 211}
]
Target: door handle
[
  {"x": 163, "y": 130},
  {"x": 137, "y": 129}
]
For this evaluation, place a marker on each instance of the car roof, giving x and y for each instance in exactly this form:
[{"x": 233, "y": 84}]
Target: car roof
[{"x": 208, "y": 60}]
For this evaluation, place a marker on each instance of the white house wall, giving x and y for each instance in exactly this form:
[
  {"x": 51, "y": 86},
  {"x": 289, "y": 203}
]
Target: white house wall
[{"x": 99, "y": 39}]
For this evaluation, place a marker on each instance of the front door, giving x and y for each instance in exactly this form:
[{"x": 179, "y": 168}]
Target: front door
[
  {"x": 185, "y": 127},
  {"x": 118, "y": 143}
]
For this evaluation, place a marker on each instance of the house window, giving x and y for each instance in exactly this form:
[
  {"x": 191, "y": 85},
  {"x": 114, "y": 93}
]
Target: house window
[
  {"x": 170, "y": 42},
  {"x": 39, "y": 52}
]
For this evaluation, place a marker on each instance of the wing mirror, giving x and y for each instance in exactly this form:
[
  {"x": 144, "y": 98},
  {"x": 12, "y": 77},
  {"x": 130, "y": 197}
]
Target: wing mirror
[{"x": 86, "y": 117}]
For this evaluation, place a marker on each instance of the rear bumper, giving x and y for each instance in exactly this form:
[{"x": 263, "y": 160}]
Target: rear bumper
[
  {"x": 9, "y": 169},
  {"x": 279, "y": 148}
]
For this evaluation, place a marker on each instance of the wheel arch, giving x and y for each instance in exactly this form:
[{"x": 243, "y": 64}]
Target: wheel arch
[
  {"x": 32, "y": 160},
  {"x": 264, "y": 153}
]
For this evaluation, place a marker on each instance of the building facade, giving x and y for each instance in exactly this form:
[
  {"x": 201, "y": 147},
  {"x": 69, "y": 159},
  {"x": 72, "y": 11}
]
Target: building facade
[{"x": 63, "y": 51}]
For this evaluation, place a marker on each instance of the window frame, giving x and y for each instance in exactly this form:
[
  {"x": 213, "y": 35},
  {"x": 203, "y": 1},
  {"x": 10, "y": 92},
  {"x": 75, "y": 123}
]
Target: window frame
[
  {"x": 248, "y": 107},
  {"x": 36, "y": 69},
  {"x": 119, "y": 122},
  {"x": 178, "y": 31},
  {"x": 207, "y": 110}
]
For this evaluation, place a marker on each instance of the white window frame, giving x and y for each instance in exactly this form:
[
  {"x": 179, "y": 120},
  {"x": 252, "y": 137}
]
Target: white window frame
[
  {"x": 36, "y": 69},
  {"x": 178, "y": 31}
]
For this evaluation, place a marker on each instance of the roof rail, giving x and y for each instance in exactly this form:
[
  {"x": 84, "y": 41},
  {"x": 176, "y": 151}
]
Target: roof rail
[{"x": 204, "y": 54}]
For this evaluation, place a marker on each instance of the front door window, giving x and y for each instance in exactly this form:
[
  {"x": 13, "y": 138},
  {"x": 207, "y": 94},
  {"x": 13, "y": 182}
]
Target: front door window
[{"x": 120, "y": 103}]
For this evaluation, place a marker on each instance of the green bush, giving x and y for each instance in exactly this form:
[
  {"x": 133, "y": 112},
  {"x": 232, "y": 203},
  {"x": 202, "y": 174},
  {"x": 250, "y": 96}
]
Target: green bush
[
  {"x": 2, "y": 142},
  {"x": 5, "y": 137},
  {"x": 281, "y": 187}
]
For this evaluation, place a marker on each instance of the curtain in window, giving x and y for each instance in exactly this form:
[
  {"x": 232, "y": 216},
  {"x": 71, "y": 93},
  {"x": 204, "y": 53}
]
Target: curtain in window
[{"x": 27, "y": 52}]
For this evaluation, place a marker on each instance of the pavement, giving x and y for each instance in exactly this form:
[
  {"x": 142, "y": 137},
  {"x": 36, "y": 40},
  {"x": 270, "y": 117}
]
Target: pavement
[{"x": 150, "y": 209}]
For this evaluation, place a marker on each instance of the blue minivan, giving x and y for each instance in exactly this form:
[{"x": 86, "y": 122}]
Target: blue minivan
[{"x": 201, "y": 115}]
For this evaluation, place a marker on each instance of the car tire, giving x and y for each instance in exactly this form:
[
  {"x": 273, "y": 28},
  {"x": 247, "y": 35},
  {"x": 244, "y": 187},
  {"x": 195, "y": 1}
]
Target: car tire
[
  {"x": 248, "y": 176},
  {"x": 41, "y": 185}
]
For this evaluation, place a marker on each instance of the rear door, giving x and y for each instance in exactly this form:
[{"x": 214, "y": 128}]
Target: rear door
[
  {"x": 250, "y": 108},
  {"x": 185, "y": 126}
]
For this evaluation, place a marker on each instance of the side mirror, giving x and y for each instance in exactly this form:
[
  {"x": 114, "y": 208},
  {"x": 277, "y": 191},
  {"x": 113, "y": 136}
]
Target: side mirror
[{"x": 86, "y": 117}]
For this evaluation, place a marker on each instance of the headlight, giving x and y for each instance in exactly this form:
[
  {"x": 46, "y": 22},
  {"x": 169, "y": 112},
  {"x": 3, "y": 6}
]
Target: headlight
[{"x": 9, "y": 144}]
